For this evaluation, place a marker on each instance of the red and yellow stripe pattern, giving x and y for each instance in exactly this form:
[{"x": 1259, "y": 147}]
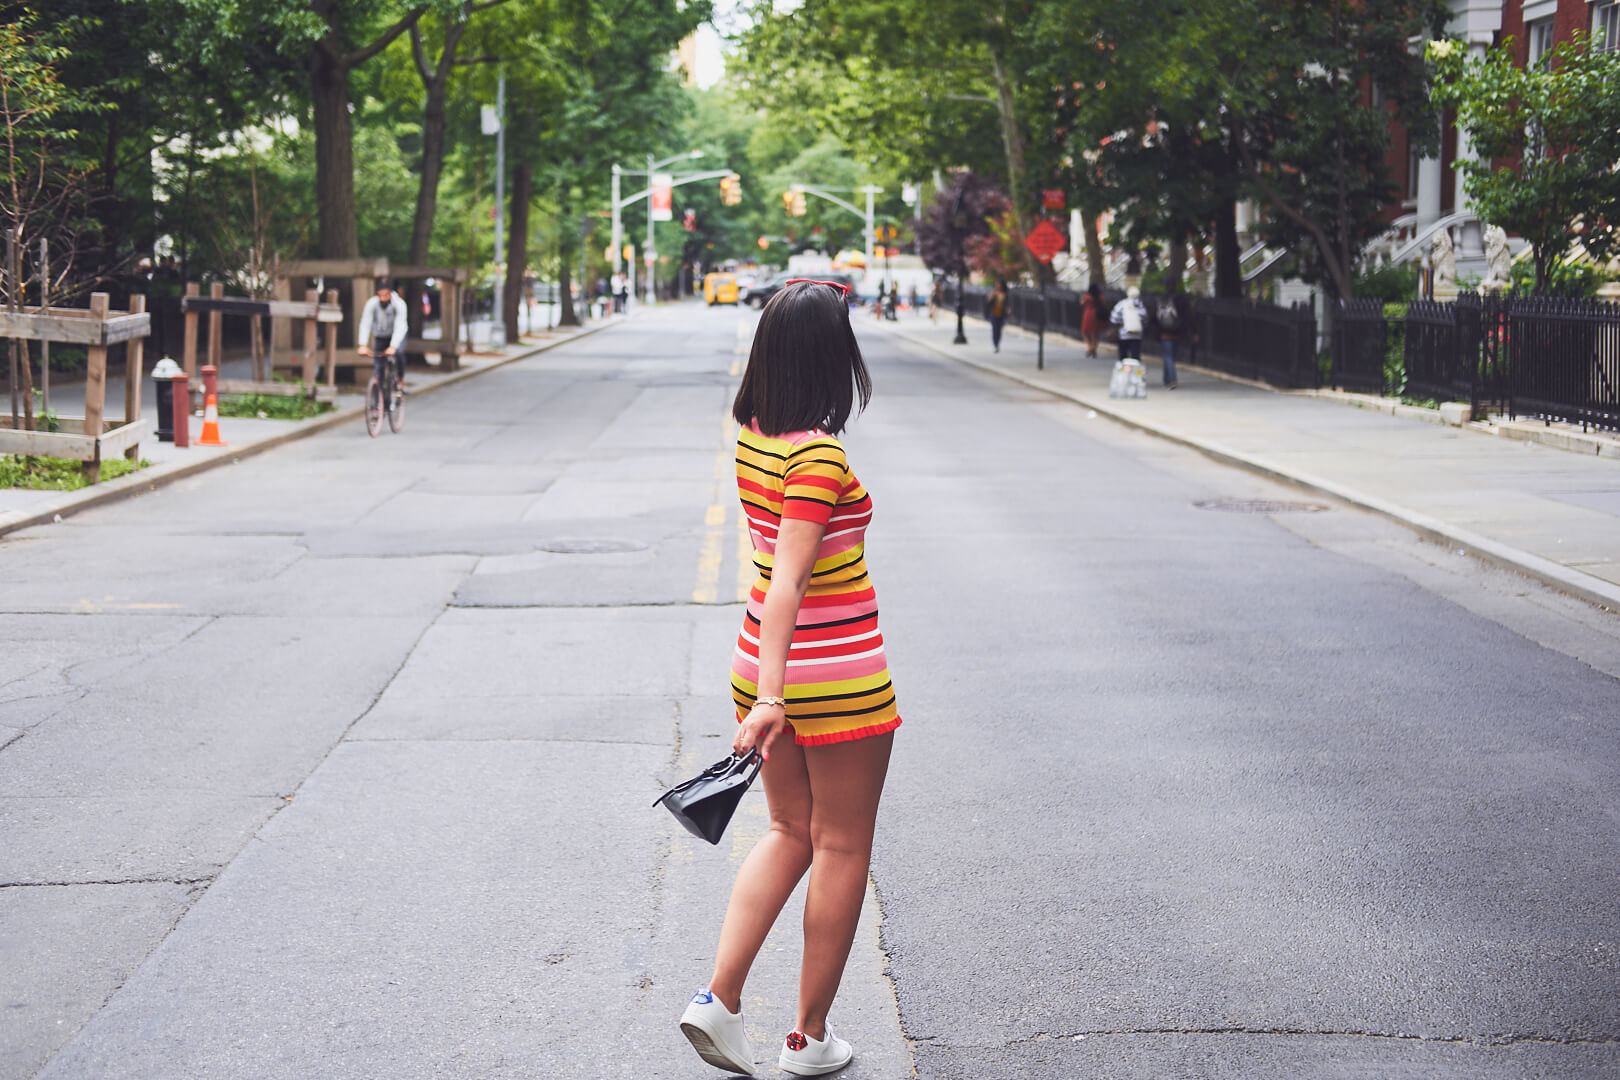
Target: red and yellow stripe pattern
[{"x": 837, "y": 684}]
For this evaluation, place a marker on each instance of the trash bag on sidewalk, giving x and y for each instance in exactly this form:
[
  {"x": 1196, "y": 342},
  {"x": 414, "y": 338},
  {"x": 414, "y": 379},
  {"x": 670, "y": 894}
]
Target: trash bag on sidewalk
[{"x": 1128, "y": 380}]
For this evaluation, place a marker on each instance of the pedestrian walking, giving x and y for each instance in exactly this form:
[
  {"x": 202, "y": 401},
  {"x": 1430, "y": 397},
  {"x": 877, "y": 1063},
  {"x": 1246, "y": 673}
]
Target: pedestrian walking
[
  {"x": 807, "y": 517},
  {"x": 1172, "y": 317},
  {"x": 1091, "y": 318},
  {"x": 936, "y": 299},
  {"x": 882, "y": 296},
  {"x": 995, "y": 307},
  {"x": 1131, "y": 317},
  {"x": 913, "y": 297}
]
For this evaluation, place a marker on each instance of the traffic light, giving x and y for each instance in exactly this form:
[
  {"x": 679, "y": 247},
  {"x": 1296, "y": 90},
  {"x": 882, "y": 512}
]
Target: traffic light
[
  {"x": 787, "y": 203},
  {"x": 689, "y": 223},
  {"x": 793, "y": 203},
  {"x": 764, "y": 243},
  {"x": 730, "y": 190}
]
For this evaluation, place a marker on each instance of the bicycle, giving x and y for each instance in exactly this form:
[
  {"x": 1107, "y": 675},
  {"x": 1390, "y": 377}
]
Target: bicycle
[{"x": 385, "y": 395}]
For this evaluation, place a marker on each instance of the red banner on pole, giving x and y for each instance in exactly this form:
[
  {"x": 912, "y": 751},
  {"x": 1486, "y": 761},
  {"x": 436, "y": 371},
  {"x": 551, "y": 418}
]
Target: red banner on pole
[{"x": 663, "y": 197}]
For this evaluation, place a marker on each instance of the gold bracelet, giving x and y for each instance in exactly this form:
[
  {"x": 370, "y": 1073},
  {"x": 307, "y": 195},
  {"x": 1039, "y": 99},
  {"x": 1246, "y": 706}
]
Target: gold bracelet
[{"x": 782, "y": 701}]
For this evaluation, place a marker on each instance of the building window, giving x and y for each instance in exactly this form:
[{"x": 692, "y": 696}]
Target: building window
[
  {"x": 1540, "y": 36},
  {"x": 1606, "y": 27},
  {"x": 1413, "y": 171}
]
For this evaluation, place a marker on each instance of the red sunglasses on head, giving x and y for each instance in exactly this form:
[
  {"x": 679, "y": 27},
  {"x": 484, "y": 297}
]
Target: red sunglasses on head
[{"x": 839, "y": 285}]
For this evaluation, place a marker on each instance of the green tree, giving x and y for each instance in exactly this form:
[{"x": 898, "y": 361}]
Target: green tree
[
  {"x": 1555, "y": 129},
  {"x": 45, "y": 196}
]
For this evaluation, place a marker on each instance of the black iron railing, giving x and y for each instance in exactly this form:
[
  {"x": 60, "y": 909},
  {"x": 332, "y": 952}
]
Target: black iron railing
[
  {"x": 1548, "y": 357},
  {"x": 1257, "y": 341},
  {"x": 1561, "y": 360},
  {"x": 1360, "y": 346}
]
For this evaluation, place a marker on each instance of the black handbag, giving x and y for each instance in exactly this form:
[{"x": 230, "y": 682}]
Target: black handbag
[{"x": 705, "y": 803}]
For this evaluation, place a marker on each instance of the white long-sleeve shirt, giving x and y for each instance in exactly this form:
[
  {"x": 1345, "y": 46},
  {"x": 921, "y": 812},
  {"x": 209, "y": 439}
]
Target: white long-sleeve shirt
[{"x": 376, "y": 322}]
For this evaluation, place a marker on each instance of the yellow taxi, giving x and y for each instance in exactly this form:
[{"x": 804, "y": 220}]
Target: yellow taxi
[{"x": 720, "y": 288}]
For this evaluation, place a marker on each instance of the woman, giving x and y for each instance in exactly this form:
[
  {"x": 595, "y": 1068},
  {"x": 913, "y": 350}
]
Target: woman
[
  {"x": 995, "y": 306},
  {"x": 812, "y": 601},
  {"x": 1091, "y": 318}
]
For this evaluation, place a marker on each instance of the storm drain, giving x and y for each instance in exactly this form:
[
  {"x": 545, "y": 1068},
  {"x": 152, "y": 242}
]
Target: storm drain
[
  {"x": 1260, "y": 506},
  {"x": 590, "y": 545}
]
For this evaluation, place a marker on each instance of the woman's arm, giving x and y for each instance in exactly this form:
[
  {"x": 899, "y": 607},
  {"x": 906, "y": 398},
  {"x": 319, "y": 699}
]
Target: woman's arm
[{"x": 797, "y": 543}]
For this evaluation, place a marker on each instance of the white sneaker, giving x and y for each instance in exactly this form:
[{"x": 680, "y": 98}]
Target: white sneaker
[
  {"x": 804, "y": 1056},
  {"x": 717, "y": 1034}
]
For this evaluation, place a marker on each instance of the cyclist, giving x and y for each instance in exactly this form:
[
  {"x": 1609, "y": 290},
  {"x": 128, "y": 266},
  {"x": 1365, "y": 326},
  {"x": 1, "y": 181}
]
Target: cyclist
[{"x": 382, "y": 330}]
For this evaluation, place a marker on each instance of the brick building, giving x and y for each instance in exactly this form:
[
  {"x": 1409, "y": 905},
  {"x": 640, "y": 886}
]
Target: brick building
[{"x": 1433, "y": 186}]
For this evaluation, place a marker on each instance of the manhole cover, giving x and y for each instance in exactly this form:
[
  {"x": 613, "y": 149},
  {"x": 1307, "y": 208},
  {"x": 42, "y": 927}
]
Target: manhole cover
[
  {"x": 590, "y": 546},
  {"x": 1260, "y": 506}
]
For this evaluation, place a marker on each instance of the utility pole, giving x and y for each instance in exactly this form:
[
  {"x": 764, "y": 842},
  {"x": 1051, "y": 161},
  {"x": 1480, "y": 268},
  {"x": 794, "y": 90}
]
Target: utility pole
[
  {"x": 497, "y": 330},
  {"x": 651, "y": 255},
  {"x": 618, "y": 231},
  {"x": 871, "y": 223}
]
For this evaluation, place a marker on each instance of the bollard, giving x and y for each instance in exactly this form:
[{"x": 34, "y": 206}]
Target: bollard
[
  {"x": 210, "y": 430},
  {"x": 173, "y": 402}
]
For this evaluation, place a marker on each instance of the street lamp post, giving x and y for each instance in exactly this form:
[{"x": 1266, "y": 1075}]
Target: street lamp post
[
  {"x": 497, "y": 330},
  {"x": 620, "y": 202},
  {"x": 652, "y": 253},
  {"x": 958, "y": 226}
]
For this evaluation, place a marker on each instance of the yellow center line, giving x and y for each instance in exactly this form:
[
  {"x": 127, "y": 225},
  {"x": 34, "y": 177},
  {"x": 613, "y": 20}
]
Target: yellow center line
[{"x": 712, "y": 553}]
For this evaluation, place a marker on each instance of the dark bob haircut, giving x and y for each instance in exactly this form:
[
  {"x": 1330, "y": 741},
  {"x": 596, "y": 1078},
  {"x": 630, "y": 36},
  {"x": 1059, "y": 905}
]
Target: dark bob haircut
[{"x": 805, "y": 369}]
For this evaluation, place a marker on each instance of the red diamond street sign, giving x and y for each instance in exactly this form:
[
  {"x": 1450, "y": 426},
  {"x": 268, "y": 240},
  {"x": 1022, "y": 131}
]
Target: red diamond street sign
[{"x": 1045, "y": 241}]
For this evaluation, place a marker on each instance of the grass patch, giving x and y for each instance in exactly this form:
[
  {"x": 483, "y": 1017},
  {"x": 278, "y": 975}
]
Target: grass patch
[
  {"x": 272, "y": 406},
  {"x": 58, "y": 474},
  {"x": 1421, "y": 402}
]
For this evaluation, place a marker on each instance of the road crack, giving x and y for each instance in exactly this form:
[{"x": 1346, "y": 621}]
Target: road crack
[{"x": 1493, "y": 1039}]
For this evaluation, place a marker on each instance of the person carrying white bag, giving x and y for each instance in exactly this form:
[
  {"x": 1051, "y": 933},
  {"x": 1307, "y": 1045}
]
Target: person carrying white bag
[{"x": 1131, "y": 318}]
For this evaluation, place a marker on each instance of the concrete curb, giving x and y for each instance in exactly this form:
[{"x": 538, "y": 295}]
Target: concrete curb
[
  {"x": 1593, "y": 590},
  {"x": 127, "y": 487}
]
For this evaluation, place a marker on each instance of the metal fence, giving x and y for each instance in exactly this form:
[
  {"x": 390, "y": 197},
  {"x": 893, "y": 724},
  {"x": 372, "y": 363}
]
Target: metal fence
[
  {"x": 1257, "y": 341},
  {"x": 1559, "y": 359},
  {"x": 1548, "y": 357},
  {"x": 1260, "y": 341},
  {"x": 1360, "y": 346}
]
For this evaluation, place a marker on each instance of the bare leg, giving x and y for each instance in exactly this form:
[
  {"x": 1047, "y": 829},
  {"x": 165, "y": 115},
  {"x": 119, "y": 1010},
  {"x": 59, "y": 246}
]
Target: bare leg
[
  {"x": 769, "y": 874},
  {"x": 846, "y": 782}
]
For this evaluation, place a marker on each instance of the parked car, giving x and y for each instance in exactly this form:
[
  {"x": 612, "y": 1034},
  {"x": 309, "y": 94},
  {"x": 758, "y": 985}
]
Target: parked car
[
  {"x": 762, "y": 292},
  {"x": 720, "y": 288}
]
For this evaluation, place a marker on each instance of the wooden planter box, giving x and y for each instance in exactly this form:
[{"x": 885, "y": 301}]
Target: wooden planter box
[
  {"x": 72, "y": 442},
  {"x": 89, "y": 438}
]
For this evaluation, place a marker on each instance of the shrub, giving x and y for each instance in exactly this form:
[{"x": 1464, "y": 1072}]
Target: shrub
[{"x": 1388, "y": 282}]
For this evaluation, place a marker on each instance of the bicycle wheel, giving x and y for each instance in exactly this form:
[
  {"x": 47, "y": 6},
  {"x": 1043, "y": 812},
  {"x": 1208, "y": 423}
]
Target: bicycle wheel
[
  {"x": 396, "y": 404},
  {"x": 374, "y": 407}
]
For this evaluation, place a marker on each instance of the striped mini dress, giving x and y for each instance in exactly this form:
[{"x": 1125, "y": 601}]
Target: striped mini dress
[{"x": 837, "y": 684}]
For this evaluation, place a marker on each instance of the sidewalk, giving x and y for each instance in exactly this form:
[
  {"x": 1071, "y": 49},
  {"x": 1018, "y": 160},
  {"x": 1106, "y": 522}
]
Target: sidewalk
[
  {"x": 20, "y": 508},
  {"x": 1546, "y": 512}
]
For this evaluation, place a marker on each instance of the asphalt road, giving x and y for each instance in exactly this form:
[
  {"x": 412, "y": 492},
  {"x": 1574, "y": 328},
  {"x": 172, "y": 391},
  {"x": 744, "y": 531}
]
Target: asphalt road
[{"x": 338, "y": 762}]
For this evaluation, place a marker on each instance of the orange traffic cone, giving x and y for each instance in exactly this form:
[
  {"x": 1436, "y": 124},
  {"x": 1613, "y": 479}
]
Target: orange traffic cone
[{"x": 210, "y": 431}]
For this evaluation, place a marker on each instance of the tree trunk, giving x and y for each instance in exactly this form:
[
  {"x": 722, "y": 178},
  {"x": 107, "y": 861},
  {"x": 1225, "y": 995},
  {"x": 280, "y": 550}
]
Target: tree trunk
[
  {"x": 1228, "y": 270},
  {"x": 334, "y": 155},
  {"x": 565, "y": 255},
  {"x": 435, "y": 84},
  {"x": 427, "y": 197},
  {"x": 517, "y": 249},
  {"x": 1012, "y": 143},
  {"x": 1094, "y": 250},
  {"x": 1176, "y": 261}
]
